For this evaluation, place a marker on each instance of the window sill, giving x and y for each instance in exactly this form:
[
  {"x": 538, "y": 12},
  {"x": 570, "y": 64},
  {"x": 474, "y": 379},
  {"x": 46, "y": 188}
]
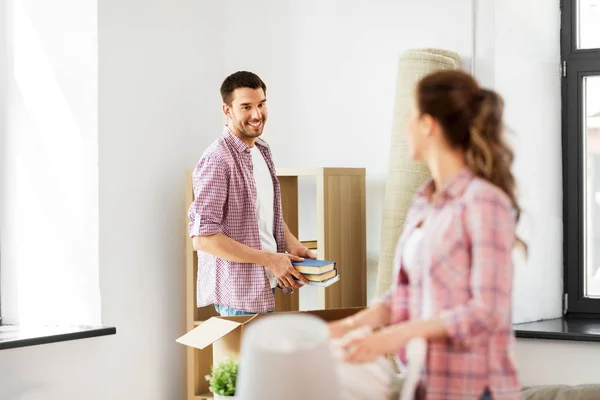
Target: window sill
[
  {"x": 13, "y": 336},
  {"x": 570, "y": 328}
]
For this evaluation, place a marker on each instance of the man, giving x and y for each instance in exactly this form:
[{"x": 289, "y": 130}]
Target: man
[{"x": 236, "y": 220}]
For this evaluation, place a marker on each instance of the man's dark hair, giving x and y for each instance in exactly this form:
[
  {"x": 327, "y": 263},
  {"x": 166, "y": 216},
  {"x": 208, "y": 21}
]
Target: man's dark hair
[{"x": 240, "y": 79}]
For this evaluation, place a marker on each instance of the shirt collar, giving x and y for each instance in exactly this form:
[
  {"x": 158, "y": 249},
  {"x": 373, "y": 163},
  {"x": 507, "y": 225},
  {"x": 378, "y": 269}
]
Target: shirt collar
[
  {"x": 238, "y": 143},
  {"x": 455, "y": 187}
]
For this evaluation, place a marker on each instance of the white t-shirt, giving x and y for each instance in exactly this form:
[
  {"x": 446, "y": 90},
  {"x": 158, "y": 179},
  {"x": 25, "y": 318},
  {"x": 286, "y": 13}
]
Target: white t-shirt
[
  {"x": 265, "y": 204},
  {"x": 409, "y": 258},
  {"x": 417, "y": 349}
]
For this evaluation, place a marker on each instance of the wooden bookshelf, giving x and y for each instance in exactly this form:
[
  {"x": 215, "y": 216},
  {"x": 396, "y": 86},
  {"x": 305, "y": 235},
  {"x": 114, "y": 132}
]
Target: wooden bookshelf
[
  {"x": 310, "y": 244},
  {"x": 341, "y": 236},
  {"x": 341, "y": 230}
]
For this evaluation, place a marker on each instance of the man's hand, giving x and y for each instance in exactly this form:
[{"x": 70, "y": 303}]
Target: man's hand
[
  {"x": 280, "y": 265},
  {"x": 294, "y": 246},
  {"x": 298, "y": 249}
]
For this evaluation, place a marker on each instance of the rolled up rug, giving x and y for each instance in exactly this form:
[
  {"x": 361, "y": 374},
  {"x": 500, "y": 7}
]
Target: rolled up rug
[{"x": 404, "y": 175}]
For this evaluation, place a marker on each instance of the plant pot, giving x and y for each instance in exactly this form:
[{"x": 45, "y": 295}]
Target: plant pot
[{"x": 221, "y": 397}]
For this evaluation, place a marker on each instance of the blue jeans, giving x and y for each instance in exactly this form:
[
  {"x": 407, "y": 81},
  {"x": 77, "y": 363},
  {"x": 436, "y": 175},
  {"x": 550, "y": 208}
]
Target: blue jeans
[
  {"x": 225, "y": 311},
  {"x": 486, "y": 395}
]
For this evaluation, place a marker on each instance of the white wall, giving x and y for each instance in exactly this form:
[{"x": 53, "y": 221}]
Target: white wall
[
  {"x": 527, "y": 74},
  {"x": 520, "y": 58},
  {"x": 525, "y": 68},
  {"x": 158, "y": 91},
  {"x": 160, "y": 68},
  {"x": 50, "y": 168},
  {"x": 551, "y": 362},
  {"x": 159, "y": 77},
  {"x": 330, "y": 70},
  {"x": 3, "y": 106}
]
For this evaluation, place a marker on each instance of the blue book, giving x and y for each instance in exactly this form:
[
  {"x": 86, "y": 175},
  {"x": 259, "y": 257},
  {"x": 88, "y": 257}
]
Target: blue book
[{"x": 316, "y": 267}]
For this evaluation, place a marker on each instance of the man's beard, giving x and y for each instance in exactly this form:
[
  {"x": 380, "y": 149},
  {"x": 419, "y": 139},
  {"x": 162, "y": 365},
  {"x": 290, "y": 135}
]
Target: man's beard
[{"x": 248, "y": 133}]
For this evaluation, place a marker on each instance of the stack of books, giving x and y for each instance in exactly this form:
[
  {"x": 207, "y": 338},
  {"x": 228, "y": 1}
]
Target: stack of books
[{"x": 321, "y": 273}]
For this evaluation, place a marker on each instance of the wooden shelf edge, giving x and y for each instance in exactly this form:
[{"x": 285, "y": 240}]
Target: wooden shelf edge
[
  {"x": 309, "y": 244},
  {"x": 299, "y": 171},
  {"x": 320, "y": 171},
  {"x": 344, "y": 171}
]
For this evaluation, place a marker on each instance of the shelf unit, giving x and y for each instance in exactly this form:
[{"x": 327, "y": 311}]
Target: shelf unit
[{"x": 341, "y": 236}]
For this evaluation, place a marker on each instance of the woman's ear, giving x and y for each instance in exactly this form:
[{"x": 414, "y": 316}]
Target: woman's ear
[{"x": 427, "y": 125}]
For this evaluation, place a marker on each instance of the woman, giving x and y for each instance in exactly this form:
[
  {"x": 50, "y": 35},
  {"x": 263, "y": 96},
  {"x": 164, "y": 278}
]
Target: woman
[{"x": 453, "y": 269}]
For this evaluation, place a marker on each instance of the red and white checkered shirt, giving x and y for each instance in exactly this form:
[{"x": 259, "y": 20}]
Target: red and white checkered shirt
[
  {"x": 225, "y": 202},
  {"x": 466, "y": 250}
]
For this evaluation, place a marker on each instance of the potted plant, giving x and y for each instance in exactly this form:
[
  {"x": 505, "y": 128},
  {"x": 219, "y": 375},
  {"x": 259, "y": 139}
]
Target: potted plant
[{"x": 223, "y": 378}]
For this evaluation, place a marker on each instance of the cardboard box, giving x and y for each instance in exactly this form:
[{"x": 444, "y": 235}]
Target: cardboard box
[{"x": 224, "y": 334}]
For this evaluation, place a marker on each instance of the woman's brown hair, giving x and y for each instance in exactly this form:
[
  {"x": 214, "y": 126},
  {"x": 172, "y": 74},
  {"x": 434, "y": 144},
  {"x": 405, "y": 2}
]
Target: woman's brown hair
[{"x": 472, "y": 120}]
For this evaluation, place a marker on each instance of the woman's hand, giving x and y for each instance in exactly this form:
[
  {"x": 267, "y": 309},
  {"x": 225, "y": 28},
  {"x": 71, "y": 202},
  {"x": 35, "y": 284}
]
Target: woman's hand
[
  {"x": 373, "y": 317},
  {"x": 380, "y": 343},
  {"x": 341, "y": 327},
  {"x": 392, "y": 339}
]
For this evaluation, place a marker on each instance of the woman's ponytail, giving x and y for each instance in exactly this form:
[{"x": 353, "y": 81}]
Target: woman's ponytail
[
  {"x": 487, "y": 154},
  {"x": 472, "y": 118}
]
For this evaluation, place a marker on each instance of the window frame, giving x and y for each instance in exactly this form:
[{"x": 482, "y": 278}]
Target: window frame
[
  {"x": 3, "y": 113},
  {"x": 576, "y": 63}
]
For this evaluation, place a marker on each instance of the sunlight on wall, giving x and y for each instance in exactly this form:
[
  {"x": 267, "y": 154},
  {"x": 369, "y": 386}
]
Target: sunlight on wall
[{"x": 52, "y": 178}]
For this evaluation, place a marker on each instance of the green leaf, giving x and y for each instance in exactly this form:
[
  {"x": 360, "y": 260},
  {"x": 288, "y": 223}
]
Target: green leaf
[{"x": 223, "y": 377}]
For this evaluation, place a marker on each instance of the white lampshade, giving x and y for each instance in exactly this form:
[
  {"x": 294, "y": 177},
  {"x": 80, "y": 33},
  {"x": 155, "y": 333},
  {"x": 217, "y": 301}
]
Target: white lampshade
[{"x": 287, "y": 357}]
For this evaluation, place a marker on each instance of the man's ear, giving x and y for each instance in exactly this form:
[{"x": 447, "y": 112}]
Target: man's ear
[{"x": 226, "y": 110}]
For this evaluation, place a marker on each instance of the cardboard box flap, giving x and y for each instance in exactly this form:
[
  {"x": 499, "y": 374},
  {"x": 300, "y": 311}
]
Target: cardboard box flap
[
  {"x": 333, "y": 314},
  {"x": 225, "y": 333},
  {"x": 210, "y": 331}
]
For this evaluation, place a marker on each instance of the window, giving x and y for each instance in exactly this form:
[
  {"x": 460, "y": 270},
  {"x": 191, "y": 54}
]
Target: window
[
  {"x": 49, "y": 164},
  {"x": 580, "y": 51},
  {"x": 3, "y": 122}
]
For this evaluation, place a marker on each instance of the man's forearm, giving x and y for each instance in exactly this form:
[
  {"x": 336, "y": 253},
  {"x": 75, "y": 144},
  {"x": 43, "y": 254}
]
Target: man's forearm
[
  {"x": 290, "y": 239},
  {"x": 224, "y": 247}
]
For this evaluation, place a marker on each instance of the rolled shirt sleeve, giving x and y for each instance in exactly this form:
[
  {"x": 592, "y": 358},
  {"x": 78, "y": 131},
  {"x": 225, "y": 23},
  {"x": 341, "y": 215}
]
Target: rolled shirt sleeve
[
  {"x": 210, "y": 182},
  {"x": 491, "y": 229},
  {"x": 397, "y": 301}
]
